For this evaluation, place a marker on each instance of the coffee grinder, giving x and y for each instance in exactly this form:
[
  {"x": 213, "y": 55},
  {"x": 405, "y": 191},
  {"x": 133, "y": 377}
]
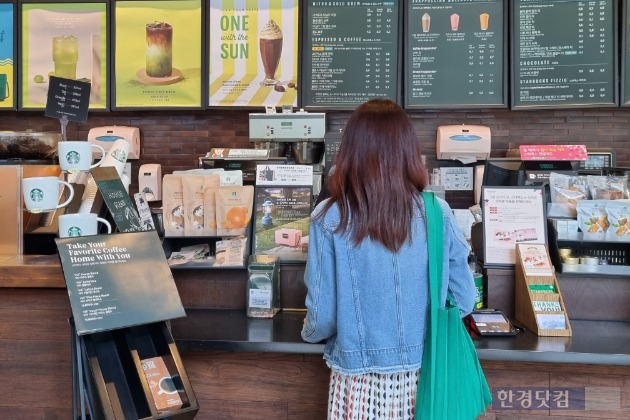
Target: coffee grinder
[{"x": 299, "y": 136}]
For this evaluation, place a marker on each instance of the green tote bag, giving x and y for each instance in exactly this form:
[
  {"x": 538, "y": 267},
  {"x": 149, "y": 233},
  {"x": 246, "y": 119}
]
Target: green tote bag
[{"x": 452, "y": 384}]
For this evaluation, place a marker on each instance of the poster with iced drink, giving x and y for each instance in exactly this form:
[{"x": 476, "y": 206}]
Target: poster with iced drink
[
  {"x": 66, "y": 40},
  {"x": 157, "y": 59},
  {"x": 7, "y": 52},
  {"x": 253, "y": 50}
]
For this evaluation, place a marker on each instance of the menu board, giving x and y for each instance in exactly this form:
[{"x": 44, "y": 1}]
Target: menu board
[
  {"x": 564, "y": 53},
  {"x": 625, "y": 54},
  {"x": 7, "y": 54},
  {"x": 351, "y": 52},
  {"x": 455, "y": 54}
]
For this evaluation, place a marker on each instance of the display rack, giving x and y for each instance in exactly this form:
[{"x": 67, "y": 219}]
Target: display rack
[{"x": 538, "y": 301}]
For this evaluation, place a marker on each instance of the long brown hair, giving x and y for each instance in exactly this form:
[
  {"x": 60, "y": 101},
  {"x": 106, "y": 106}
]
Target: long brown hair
[{"x": 378, "y": 175}]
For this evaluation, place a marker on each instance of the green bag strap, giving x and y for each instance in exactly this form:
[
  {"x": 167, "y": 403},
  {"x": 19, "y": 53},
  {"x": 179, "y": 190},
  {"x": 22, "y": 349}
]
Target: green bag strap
[{"x": 435, "y": 239}]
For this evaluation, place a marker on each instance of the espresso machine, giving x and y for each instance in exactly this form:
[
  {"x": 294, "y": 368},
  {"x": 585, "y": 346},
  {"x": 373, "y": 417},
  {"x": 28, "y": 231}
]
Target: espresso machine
[{"x": 297, "y": 136}]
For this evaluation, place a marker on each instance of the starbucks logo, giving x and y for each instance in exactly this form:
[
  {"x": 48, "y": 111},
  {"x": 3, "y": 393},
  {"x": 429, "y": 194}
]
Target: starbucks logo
[
  {"x": 37, "y": 195},
  {"x": 73, "y": 157},
  {"x": 74, "y": 231},
  {"x": 119, "y": 155}
]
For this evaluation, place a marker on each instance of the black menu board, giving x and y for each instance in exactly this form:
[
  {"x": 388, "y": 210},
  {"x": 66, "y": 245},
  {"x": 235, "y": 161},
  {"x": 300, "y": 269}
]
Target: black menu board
[
  {"x": 455, "y": 54},
  {"x": 625, "y": 80},
  {"x": 564, "y": 53},
  {"x": 350, "y": 53}
]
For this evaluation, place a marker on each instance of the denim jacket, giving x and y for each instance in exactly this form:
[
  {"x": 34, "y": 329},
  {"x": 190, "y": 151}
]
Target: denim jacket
[{"x": 371, "y": 305}]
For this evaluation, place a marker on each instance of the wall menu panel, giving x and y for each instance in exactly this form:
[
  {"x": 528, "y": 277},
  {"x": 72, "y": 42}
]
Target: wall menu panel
[
  {"x": 564, "y": 53},
  {"x": 625, "y": 54},
  {"x": 455, "y": 54},
  {"x": 350, "y": 52},
  {"x": 7, "y": 55}
]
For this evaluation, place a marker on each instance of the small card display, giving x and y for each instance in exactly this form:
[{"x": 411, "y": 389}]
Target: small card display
[
  {"x": 492, "y": 323},
  {"x": 551, "y": 321},
  {"x": 163, "y": 389}
]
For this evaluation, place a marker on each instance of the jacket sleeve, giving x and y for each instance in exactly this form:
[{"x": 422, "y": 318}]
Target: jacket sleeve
[
  {"x": 461, "y": 284},
  {"x": 319, "y": 276}
]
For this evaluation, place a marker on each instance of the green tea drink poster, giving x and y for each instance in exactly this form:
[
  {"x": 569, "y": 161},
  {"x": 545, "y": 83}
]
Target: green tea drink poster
[
  {"x": 157, "y": 59},
  {"x": 67, "y": 40},
  {"x": 7, "y": 97},
  {"x": 253, "y": 50}
]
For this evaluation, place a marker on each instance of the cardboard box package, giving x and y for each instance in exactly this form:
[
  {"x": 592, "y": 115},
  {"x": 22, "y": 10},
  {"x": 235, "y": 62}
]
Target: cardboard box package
[{"x": 161, "y": 383}]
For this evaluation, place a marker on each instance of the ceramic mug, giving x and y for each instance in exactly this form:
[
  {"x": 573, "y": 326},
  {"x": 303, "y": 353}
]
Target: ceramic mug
[
  {"x": 117, "y": 155},
  {"x": 42, "y": 193},
  {"x": 80, "y": 224},
  {"x": 76, "y": 156}
]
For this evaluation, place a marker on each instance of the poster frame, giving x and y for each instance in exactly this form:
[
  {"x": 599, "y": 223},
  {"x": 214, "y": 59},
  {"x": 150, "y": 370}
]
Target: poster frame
[
  {"x": 201, "y": 54},
  {"x": 22, "y": 54},
  {"x": 12, "y": 86},
  {"x": 492, "y": 258}
]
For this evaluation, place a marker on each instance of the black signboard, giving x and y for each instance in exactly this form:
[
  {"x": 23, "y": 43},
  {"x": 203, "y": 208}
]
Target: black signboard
[
  {"x": 564, "y": 54},
  {"x": 456, "y": 54},
  {"x": 68, "y": 99},
  {"x": 118, "y": 281},
  {"x": 625, "y": 54},
  {"x": 350, "y": 53},
  {"x": 117, "y": 199}
]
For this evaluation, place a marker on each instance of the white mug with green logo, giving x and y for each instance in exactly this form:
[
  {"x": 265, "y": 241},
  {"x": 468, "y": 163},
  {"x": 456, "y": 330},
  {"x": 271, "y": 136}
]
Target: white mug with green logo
[
  {"x": 4, "y": 87},
  {"x": 42, "y": 193},
  {"x": 80, "y": 224},
  {"x": 76, "y": 156}
]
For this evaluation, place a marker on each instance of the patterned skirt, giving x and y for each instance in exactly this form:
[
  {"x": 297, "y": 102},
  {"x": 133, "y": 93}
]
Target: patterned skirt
[{"x": 372, "y": 396}]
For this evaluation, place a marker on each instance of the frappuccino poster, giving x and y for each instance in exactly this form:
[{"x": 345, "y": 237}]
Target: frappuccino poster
[
  {"x": 67, "y": 40},
  {"x": 157, "y": 59},
  {"x": 253, "y": 50},
  {"x": 7, "y": 97}
]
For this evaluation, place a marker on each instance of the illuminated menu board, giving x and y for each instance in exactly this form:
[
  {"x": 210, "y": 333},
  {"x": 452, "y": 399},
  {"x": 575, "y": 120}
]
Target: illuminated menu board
[
  {"x": 564, "y": 53},
  {"x": 625, "y": 81},
  {"x": 455, "y": 54},
  {"x": 351, "y": 52}
]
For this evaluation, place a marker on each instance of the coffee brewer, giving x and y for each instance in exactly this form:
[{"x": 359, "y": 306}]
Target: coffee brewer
[{"x": 298, "y": 136}]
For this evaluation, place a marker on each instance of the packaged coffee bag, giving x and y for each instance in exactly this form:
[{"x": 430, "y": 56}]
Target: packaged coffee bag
[{"x": 173, "y": 205}]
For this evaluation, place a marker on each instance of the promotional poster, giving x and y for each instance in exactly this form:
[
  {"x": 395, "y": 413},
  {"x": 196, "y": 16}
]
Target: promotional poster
[
  {"x": 253, "y": 51},
  {"x": 158, "y": 54},
  {"x": 7, "y": 97},
  {"x": 64, "y": 40}
]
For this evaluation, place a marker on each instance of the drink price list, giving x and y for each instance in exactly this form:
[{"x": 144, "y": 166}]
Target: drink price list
[
  {"x": 350, "y": 52},
  {"x": 454, "y": 53},
  {"x": 564, "y": 53}
]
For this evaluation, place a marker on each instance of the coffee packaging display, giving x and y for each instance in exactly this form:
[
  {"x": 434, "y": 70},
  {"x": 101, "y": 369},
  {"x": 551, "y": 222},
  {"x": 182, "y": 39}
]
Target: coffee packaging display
[
  {"x": 163, "y": 389},
  {"x": 210, "y": 185},
  {"x": 234, "y": 207},
  {"x": 173, "y": 205},
  {"x": 608, "y": 187},
  {"x": 592, "y": 216},
  {"x": 230, "y": 252},
  {"x": 566, "y": 191},
  {"x": 231, "y": 178},
  {"x": 193, "y": 197},
  {"x": 619, "y": 218}
]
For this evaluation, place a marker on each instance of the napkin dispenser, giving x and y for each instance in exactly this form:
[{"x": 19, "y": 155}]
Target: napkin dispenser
[
  {"x": 467, "y": 143},
  {"x": 106, "y": 136}
]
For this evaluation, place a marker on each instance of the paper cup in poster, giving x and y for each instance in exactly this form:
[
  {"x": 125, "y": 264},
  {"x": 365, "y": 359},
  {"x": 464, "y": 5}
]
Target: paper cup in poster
[
  {"x": 158, "y": 54},
  {"x": 253, "y": 51},
  {"x": 63, "y": 40},
  {"x": 7, "y": 97},
  {"x": 281, "y": 227}
]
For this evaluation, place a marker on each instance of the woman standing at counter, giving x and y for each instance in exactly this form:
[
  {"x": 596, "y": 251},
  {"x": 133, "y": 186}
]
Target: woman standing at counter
[{"x": 367, "y": 268}]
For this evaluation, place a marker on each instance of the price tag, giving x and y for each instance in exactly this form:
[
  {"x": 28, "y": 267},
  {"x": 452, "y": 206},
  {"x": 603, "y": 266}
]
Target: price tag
[{"x": 68, "y": 98}]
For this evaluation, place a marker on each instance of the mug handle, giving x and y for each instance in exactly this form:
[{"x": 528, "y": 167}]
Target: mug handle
[
  {"x": 106, "y": 223},
  {"x": 71, "y": 188},
  {"x": 101, "y": 159}
]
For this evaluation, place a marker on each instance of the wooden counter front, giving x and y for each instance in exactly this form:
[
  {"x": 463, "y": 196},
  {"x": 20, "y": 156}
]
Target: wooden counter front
[{"x": 31, "y": 271}]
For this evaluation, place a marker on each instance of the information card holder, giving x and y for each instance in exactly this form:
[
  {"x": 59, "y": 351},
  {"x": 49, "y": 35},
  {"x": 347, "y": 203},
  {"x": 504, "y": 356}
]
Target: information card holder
[
  {"x": 538, "y": 301},
  {"x": 110, "y": 279}
]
